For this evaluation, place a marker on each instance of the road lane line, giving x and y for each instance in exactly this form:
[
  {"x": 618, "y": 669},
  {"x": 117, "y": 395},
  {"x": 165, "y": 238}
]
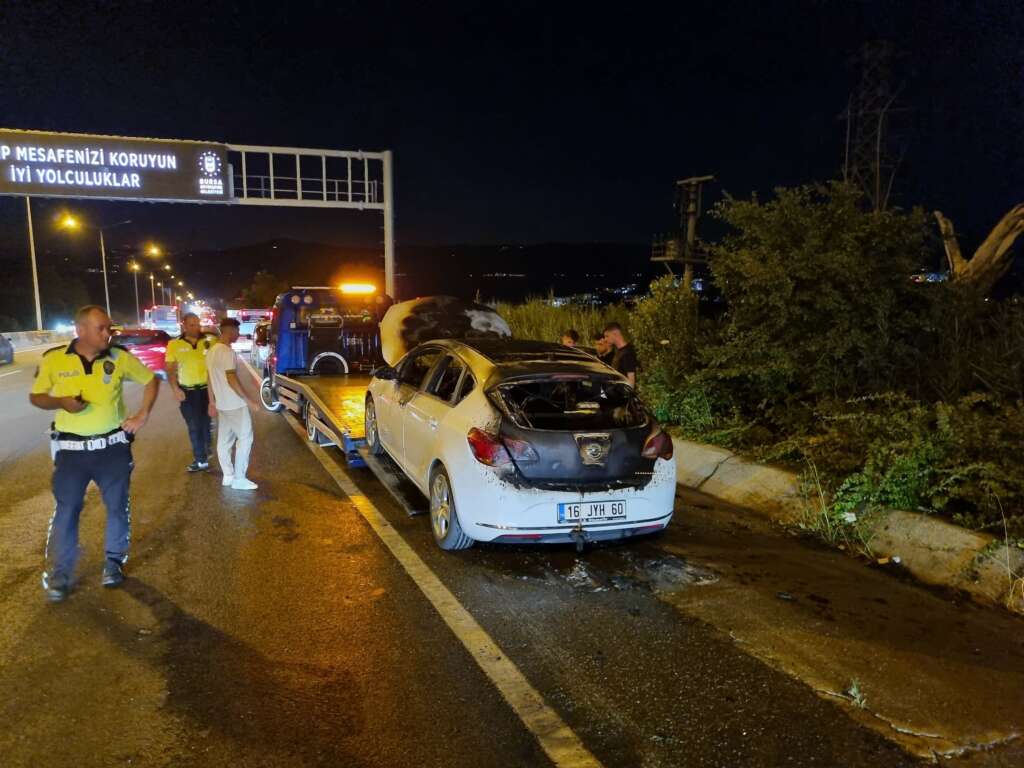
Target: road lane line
[
  {"x": 561, "y": 744},
  {"x": 11, "y": 373}
]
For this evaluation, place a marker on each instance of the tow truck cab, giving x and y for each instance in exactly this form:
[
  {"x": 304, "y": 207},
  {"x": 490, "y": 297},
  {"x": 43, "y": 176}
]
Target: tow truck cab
[{"x": 325, "y": 330}]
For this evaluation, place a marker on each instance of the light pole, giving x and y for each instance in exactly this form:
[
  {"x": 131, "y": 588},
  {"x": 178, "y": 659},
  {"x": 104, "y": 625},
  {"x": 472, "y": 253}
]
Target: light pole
[
  {"x": 134, "y": 267},
  {"x": 71, "y": 223},
  {"x": 153, "y": 251},
  {"x": 32, "y": 253}
]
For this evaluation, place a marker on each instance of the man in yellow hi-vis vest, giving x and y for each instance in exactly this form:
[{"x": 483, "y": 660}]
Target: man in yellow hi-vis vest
[
  {"x": 186, "y": 373},
  {"x": 91, "y": 441}
]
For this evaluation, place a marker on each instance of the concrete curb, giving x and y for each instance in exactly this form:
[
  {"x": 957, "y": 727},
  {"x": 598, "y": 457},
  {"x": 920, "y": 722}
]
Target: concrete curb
[
  {"x": 23, "y": 339},
  {"x": 932, "y": 550}
]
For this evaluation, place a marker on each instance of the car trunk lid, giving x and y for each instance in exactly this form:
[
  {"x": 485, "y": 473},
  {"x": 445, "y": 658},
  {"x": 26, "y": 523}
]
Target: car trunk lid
[{"x": 574, "y": 431}]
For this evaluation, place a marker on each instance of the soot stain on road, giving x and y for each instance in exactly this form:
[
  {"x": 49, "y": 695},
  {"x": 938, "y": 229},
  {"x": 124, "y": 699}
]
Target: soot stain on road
[
  {"x": 228, "y": 688},
  {"x": 602, "y": 568}
]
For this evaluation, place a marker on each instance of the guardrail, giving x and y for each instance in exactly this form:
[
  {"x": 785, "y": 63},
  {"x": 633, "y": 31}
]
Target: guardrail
[{"x": 25, "y": 339}]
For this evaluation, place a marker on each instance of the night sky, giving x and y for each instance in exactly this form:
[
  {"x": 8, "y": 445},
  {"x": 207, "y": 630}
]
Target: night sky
[{"x": 526, "y": 122}]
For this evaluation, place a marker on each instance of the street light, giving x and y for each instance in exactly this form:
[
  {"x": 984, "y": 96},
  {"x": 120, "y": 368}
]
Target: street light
[
  {"x": 152, "y": 288},
  {"x": 134, "y": 267},
  {"x": 73, "y": 224}
]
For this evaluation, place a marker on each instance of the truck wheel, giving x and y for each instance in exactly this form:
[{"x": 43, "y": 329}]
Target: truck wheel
[
  {"x": 371, "y": 430},
  {"x": 312, "y": 433},
  {"x": 268, "y": 397},
  {"x": 444, "y": 520}
]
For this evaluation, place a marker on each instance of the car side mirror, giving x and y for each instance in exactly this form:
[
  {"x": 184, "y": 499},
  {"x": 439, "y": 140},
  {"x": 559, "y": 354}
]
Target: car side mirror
[{"x": 385, "y": 373}]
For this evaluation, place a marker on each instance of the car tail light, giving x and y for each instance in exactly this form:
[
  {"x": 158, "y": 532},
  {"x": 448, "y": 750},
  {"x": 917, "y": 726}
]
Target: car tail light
[
  {"x": 520, "y": 450},
  {"x": 487, "y": 449},
  {"x": 658, "y": 445}
]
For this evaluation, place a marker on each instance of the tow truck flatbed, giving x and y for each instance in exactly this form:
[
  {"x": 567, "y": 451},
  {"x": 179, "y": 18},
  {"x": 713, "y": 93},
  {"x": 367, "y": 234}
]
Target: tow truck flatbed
[{"x": 332, "y": 407}]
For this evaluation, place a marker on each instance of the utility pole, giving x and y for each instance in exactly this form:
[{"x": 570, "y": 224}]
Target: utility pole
[
  {"x": 681, "y": 245},
  {"x": 693, "y": 187}
]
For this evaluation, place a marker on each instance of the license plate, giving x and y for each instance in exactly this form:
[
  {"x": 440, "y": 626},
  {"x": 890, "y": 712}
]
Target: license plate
[{"x": 588, "y": 511}]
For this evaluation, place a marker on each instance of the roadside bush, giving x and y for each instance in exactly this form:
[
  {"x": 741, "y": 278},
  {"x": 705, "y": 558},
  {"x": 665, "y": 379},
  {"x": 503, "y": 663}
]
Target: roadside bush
[
  {"x": 663, "y": 327},
  {"x": 538, "y": 319},
  {"x": 890, "y": 451},
  {"x": 820, "y": 304}
]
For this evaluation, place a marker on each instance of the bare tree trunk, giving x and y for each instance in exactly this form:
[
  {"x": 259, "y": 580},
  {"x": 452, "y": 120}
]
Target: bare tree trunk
[{"x": 992, "y": 259}]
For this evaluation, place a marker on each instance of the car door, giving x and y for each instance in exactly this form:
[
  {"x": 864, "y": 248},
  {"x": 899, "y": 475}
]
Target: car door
[
  {"x": 424, "y": 415},
  {"x": 395, "y": 396}
]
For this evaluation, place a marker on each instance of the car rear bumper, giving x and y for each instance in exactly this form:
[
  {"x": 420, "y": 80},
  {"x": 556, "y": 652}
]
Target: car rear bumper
[{"x": 496, "y": 510}]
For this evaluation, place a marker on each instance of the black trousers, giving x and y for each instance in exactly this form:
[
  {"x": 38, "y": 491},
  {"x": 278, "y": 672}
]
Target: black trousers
[{"x": 194, "y": 409}]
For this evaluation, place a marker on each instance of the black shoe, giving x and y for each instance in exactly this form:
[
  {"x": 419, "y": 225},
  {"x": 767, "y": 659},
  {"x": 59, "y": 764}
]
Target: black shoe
[
  {"x": 57, "y": 592},
  {"x": 198, "y": 466},
  {"x": 113, "y": 574}
]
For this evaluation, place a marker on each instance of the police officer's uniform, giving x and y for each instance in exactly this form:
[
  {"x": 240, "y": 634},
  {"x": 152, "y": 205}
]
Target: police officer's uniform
[
  {"x": 191, "y": 361},
  {"x": 88, "y": 446}
]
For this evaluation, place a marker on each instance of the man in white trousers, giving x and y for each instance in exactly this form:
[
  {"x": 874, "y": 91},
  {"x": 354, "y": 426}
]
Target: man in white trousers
[{"x": 229, "y": 403}]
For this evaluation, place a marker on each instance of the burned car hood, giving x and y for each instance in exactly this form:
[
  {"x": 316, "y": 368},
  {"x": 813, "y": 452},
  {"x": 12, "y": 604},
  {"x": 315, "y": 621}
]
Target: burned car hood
[{"x": 411, "y": 323}]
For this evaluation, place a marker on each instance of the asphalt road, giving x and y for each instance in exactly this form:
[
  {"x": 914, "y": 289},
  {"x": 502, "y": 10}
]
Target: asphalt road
[{"x": 276, "y": 628}]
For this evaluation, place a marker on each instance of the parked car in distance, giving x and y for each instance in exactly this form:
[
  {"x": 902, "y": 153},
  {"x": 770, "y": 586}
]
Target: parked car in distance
[
  {"x": 147, "y": 344},
  {"x": 6, "y": 350}
]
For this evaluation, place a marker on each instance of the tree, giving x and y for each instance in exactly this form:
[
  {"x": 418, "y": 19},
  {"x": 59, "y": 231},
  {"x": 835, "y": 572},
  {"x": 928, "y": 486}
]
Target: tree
[
  {"x": 263, "y": 290},
  {"x": 992, "y": 259},
  {"x": 820, "y": 300}
]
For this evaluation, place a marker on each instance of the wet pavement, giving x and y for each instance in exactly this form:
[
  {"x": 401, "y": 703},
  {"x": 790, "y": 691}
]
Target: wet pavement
[{"x": 274, "y": 628}]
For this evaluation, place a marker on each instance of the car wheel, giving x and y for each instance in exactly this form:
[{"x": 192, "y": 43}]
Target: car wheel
[
  {"x": 267, "y": 396},
  {"x": 371, "y": 430},
  {"x": 444, "y": 520}
]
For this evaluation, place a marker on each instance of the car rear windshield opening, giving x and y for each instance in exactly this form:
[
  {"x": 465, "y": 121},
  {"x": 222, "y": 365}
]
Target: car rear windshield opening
[{"x": 571, "y": 404}]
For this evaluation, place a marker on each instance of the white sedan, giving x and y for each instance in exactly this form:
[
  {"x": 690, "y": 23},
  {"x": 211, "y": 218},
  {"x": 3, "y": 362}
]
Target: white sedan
[{"x": 522, "y": 441}]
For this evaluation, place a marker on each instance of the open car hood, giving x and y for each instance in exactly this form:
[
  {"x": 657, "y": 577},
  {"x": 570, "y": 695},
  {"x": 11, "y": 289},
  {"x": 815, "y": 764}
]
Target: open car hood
[{"x": 411, "y": 323}]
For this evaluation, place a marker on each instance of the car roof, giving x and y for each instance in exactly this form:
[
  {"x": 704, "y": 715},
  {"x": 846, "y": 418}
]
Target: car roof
[{"x": 495, "y": 360}]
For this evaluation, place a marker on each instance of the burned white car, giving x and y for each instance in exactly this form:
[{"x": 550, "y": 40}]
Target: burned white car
[{"x": 521, "y": 441}]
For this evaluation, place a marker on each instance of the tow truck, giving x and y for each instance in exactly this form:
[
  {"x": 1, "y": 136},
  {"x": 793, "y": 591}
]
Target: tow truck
[{"x": 323, "y": 343}]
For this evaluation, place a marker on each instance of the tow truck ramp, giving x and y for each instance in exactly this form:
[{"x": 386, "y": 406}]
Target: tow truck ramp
[{"x": 331, "y": 407}]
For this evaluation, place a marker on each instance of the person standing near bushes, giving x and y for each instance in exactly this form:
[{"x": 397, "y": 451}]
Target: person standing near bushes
[
  {"x": 570, "y": 338},
  {"x": 604, "y": 350},
  {"x": 624, "y": 360}
]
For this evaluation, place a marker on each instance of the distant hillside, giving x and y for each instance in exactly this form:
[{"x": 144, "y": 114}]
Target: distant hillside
[{"x": 495, "y": 271}]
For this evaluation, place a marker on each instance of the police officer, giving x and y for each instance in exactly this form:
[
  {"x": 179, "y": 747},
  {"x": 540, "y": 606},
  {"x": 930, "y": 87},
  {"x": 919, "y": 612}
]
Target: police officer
[
  {"x": 186, "y": 373},
  {"x": 91, "y": 441}
]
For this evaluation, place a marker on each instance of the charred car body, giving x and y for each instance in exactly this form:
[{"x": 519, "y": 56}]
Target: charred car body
[{"x": 521, "y": 441}]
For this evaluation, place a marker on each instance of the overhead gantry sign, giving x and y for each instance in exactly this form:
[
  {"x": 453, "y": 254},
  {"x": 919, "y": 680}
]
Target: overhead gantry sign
[{"x": 47, "y": 164}]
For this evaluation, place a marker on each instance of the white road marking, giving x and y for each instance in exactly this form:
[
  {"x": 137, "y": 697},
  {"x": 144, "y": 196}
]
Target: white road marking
[
  {"x": 558, "y": 741},
  {"x": 11, "y": 373}
]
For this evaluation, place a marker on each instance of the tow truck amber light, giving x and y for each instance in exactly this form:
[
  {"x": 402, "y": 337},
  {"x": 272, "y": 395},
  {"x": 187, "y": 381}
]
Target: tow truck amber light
[
  {"x": 358, "y": 288},
  {"x": 658, "y": 446},
  {"x": 487, "y": 449}
]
